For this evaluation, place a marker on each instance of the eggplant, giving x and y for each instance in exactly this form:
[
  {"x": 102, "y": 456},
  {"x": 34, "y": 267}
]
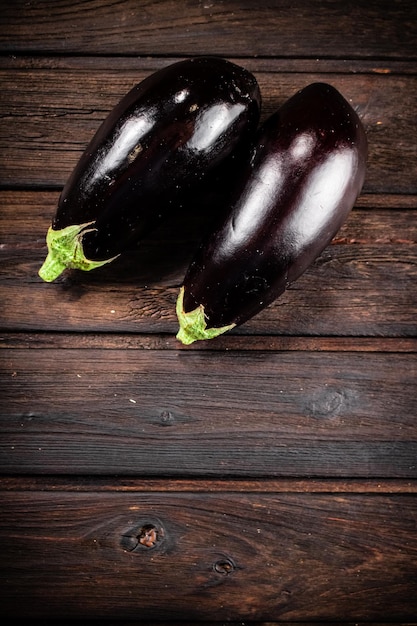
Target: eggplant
[
  {"x": 161, "y": 140},
  {"x": 305, "y": 171}
]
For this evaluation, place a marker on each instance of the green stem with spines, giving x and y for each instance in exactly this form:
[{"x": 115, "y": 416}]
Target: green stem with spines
[
  {"x": 193, "y": 325},
  {"x": 65, "y": 250}
]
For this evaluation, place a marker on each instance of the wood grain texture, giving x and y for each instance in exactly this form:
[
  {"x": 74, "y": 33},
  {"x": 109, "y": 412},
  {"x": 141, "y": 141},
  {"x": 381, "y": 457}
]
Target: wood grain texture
[
  {"x": 362, "y": 285},
  {"x": 124, "y": 484},
  {"x": 167, "y": 413},
  {"x": 158, "y": 622},
  {"x": 229, "y": 342},
  {"x": 278, "y": 28},
  {"x": 49, "y": 115},
  {"x": 208, "y": 556},
  {"x": 352, "y": 292},
  {"x": 182, "y": 622},
  {"x": 268, "y": 476}
]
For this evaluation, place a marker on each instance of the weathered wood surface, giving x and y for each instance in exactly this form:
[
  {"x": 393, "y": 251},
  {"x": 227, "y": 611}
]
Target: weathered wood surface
[
  {"x": 159, "y": 413},
  {"x": 275, "y": 467},
  {"x": 263, "y": 556},
  {"x": 49, "y": 114},
  {"x": 347, "y": 292},
  {"x": 362, "y": 285},
  {"x": 278, "y": 28}
]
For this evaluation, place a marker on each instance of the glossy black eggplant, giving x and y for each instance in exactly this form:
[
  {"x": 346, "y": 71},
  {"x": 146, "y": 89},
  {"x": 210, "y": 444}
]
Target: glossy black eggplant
[
  {"x": 306, "y": 170},
  {"x": 163, "y": 137}
]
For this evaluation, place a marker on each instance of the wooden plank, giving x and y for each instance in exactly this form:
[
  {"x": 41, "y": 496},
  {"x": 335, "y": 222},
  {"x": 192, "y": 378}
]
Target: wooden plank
[
  {"x": 356, "y": 290},
  {"x": 130, "y": 622},
  {"x": 50, "y": 114},
  {"x": 202, "y": 556},
  {"x": 183, "y": 414},
  {"x": 377, "y": 28},
  {"x": 152, "y": 622},
  {"x": 362, "y": 285}
]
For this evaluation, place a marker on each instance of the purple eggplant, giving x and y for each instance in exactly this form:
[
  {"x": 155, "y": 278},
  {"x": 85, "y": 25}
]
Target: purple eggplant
[
  {"x": 306, "y": 169},
  {"x": 159, "y": 142}
]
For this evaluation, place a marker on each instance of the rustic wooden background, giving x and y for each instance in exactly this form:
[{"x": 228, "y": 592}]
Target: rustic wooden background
[{"x": 270, "y": 475}]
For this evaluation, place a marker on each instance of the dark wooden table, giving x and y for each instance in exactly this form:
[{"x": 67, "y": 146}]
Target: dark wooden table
[{"x": 271, "y": 474}]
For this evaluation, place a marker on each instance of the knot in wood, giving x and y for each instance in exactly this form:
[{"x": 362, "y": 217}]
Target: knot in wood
[
  {"x": 129, "y": 543},
  {"x": 167, "y": 418},
  {"x": 148, "y": 536},
  {"x": 327, "y": 403},
  {"x": 224, "y": 566}
]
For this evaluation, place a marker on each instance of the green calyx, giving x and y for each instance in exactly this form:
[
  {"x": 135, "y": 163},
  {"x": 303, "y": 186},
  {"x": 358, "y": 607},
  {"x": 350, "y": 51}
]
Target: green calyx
[
  {"x": 193, "y": 325},
  {"x": 65, "y": 250}
]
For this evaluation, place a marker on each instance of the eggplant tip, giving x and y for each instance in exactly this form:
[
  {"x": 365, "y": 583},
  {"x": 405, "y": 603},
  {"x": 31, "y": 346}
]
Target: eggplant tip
[
  {"x": 193, "y": 325},
  {"x": 65, "y": 251}
]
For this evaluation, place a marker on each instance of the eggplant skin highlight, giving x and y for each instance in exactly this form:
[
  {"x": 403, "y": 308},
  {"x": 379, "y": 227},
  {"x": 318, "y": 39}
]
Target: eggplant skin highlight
[
  {"x": 306, "y": 169},
  {"x": 162, "y": 138}
]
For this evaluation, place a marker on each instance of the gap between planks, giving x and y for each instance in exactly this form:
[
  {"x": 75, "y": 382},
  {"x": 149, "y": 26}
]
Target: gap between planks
[
  {"x": 285, "y": 485},
  {"x": 259, "y": 64},
  {"x": 269, "y": 343}
]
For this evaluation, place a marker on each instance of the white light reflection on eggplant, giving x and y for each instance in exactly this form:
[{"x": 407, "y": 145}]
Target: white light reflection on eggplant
[
  {"x": 128, "y": 138},
  {"x": 266, "y": 185},
  {"x": 211, "y": 123},
  {"x": 321, "y": 198}
]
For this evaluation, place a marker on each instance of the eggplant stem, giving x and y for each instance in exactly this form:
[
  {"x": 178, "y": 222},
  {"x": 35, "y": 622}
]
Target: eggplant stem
[
  {"x": 65, "y": 250},
  {"x": 193, "y": 325}
]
